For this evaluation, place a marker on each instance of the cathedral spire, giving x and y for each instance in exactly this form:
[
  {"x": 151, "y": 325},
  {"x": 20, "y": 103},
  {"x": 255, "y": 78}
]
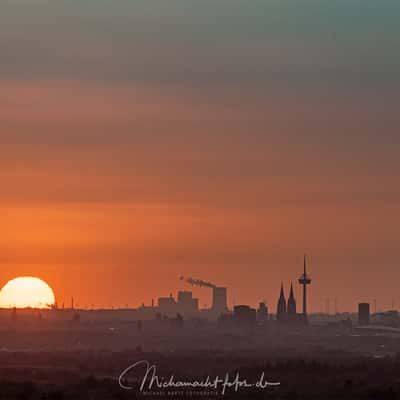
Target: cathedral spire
[
  {"x": 291, "y": 295},
  {"x": 291, "y": 305},
  {"x": 281, "y": 308}
]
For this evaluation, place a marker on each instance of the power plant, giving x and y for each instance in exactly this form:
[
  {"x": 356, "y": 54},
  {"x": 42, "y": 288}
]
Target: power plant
[{"x": 219, "y": 302}]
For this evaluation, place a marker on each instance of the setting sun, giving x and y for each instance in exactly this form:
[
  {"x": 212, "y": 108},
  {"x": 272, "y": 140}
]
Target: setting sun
[{"x": 26, "y": 292}]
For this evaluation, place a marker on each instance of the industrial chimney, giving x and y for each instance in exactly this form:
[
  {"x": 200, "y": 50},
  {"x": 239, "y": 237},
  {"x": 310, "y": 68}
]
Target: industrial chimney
[{"x": 219, "y": 300}]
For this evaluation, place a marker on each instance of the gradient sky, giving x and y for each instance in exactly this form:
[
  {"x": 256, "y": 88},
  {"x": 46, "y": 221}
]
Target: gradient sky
[{"x": 143, "y": 140}]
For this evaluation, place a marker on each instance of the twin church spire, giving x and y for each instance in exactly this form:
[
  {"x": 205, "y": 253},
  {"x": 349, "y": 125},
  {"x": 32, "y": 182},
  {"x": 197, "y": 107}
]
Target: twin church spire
[{"x": 286, "y": 310}]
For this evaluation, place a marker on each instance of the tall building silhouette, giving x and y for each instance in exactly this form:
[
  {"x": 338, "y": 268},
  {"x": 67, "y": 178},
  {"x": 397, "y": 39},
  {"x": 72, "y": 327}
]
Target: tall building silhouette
[
  {"x": 262, "y": 313},
  {"x": 187, "y": 305},
  {"x": 291, "y": 304},
  {"x": 363, "y": 314},
  {"x": 305, "y": 280},
  {"x": 281, "y": 309},
  {"x": 219, "y": 300}
]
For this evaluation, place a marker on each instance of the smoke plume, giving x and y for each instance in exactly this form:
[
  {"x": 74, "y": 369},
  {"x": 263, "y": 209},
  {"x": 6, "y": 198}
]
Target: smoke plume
[{"x": 197, "y": 282}]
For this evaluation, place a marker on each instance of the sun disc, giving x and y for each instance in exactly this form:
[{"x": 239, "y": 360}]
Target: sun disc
[{"x": 26, "y": 291}]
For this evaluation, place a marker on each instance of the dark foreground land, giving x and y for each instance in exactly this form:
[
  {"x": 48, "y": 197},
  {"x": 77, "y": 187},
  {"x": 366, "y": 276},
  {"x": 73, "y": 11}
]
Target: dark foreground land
[
  {"x": 88, "y": 375},
  {"x": 84, "y": 361}
]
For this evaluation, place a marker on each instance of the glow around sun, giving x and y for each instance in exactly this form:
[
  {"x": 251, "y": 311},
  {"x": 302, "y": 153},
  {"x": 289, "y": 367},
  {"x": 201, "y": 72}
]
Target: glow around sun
[{"x": 26, "y": 291}]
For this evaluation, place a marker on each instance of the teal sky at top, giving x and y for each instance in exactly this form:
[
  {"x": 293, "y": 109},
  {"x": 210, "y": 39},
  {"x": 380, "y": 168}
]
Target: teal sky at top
[{"x": 199, "y": 42}]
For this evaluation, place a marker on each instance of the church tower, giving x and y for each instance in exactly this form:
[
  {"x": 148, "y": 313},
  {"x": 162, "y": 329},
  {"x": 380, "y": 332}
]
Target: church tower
[
  {"x": 281, "y": 309},
  {"x": 291, "y": 306}
]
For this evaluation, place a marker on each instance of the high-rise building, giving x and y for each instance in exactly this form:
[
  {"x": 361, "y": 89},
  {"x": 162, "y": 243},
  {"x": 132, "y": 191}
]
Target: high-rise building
[{"x": 363, "y": 314}]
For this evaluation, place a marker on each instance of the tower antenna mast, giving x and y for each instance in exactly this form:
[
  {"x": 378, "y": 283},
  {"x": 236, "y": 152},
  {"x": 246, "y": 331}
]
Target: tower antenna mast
[{"x": 305, "y": 280}]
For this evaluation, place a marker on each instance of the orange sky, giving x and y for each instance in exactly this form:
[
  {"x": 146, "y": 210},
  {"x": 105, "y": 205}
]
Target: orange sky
[{"x": 86, "y": 203}]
